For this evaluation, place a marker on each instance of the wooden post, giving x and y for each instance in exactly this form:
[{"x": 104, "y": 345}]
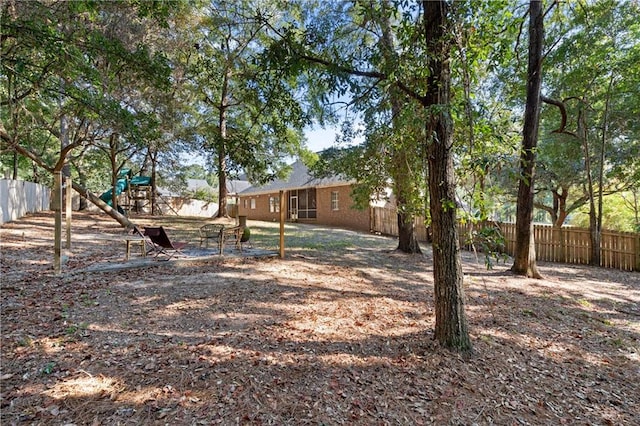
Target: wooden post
[
  {"x": 69, "y": 198},
  {"x": 282, "y": 219},
  {"x": 57, "y": 237}
]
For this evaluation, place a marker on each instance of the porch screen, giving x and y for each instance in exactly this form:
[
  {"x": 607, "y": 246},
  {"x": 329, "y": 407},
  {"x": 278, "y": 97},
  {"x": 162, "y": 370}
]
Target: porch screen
[{"x": 306, "y": 203}]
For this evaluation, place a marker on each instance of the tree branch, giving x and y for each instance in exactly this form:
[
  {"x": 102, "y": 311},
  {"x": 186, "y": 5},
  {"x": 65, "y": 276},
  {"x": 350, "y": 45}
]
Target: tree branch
[
  {"x": 20, "y": 150},
  {"x": 563, "y": 115}
]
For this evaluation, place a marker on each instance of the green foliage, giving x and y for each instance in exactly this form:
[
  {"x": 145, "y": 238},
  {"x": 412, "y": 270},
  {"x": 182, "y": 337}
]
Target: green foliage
[
  {"x": 246, "y": 235},
  {"x": 84, "y": 63},
  {"x": 490, "y": 241},
  {"x": 204, "y": 194},
  {"x": 589, "y": 71},
  {"x": 157, "y": 74},
  {"x": 618, "y": 214},
  {"x": 48, "y": 368},
  {"x": 248, "y": 114},
  {"x": 360, "y": 163}
]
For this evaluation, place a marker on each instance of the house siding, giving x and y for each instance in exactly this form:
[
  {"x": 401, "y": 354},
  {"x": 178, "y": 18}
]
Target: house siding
[
  {"x": 346, "y": 216},
  {"x": 261, "y": 211}
]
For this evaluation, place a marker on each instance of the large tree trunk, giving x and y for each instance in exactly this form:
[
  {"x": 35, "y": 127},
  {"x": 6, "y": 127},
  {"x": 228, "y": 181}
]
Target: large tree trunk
[
  {"x": 407, "y": 237},
  {"x": 222, "y": 153},
  {"x": 82, "y": 181},
  {"x": 525, "y": 255},
  {"x": 594, "y": 228},
  {"x": 451, "y": 323},
  {"x": 401, "y": 173}
]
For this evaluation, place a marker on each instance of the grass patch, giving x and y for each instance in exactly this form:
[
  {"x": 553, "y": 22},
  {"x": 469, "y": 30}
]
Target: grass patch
[{"x": 585, "y": 303}]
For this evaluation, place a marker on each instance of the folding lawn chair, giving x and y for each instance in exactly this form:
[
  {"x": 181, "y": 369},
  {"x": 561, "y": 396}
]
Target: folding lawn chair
[{"x": 161, "y": 242}]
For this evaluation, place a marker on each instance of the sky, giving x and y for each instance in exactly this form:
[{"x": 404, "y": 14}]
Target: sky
[{"x": 319, "y": 138}]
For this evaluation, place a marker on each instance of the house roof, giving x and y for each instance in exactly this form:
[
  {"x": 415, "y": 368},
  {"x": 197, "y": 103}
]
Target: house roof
[
  {"x": 195, "y": 184},
  {"x": 298, "y": 179},
  {"x": 236, "y": 186}
]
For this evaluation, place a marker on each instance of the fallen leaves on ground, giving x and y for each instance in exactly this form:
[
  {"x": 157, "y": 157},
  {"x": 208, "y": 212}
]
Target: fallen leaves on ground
[{"x": 342, "y": 336}]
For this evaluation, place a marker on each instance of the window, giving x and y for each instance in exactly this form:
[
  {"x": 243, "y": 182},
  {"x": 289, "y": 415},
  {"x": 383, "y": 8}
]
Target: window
[
  {"x": 253, "y": 204},
  {"x": 334, "y": 200},
  {"x": 274, "y": 204},
  {"x": 245, "y": 203}
]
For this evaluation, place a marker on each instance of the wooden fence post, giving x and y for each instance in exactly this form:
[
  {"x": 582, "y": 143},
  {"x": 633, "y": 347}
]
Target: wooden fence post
[
  {"x": 282, "y": 219},
  {"x": 69, "y": 198},
  {"x": 57, "y": 235}
]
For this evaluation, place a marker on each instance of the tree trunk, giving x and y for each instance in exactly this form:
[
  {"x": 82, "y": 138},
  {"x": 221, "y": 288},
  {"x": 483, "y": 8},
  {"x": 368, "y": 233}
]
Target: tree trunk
[
  {"x": 525, "y": 255},
  {"x": 451, "y": 324},
  {"x": 113, "y": 152},
  {"x": 82, "y": 180},
  {"x": 222, "y": 146},
  {"x": 560, "y": 198},
  {"x": 222, "y": 182},
  {"x": 14, "y": 174},
  {"x": 401, "y": 173},
  {"x": 155, "y": 209},
  {"x": 14, "y": 121},
  {"x": 594, "y": 231},
  {"x": 407, "y": 238},
  {"x": 597, "y": 238}
]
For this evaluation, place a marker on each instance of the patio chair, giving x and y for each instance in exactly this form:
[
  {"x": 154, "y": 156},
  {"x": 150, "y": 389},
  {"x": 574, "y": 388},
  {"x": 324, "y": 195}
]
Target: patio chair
[
  {"x": 231, "y": 236},
  {"x": 161, "y": 242},
  {"x": 210, "y": 231}
]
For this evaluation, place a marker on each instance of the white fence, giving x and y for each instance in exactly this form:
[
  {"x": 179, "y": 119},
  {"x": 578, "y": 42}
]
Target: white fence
[
  {"x": 171, "y": 206},
  {"x": 18, "y": 197},
  {"x": 187, "y": 207}
]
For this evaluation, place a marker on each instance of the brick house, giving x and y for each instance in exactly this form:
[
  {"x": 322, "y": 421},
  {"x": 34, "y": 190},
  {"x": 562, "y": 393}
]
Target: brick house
[{"x": 325, "y": 201}]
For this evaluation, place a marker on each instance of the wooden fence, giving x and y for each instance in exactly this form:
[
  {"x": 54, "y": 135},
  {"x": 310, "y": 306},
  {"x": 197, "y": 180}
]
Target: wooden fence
[{"x": 619, "y": 250}]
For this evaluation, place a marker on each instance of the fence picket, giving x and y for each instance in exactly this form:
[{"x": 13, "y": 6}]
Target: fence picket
[{"x": 619, "y": 250}]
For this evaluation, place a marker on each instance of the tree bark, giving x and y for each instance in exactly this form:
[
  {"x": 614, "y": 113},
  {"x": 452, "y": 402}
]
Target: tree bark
[
  {"x": 82, "y": 181},
  {"x": 525, "y": 255},
  {"x": 407, "y": 237},
  {"x": 153, "y": 155},
  {"x": 594, "y": 231},
  {"x": 222, "y": 145},
  {"x": 401, "y": 173},
  {"x": 451, "y": 329},
  {"x": 113, "y": 153},
  {"x": 597, "y": 241}
]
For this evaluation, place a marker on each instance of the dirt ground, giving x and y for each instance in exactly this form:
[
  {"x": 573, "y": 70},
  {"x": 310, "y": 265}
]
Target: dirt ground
[{"x": 338, "y": 332}]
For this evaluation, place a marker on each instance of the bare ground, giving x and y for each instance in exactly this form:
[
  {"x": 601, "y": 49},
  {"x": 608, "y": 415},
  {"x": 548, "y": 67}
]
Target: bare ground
[{"x": 339, "y": 332}]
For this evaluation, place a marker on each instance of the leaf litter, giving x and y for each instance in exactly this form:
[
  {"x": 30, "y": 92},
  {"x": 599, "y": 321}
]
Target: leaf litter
[{"x": 335, "y": 335}]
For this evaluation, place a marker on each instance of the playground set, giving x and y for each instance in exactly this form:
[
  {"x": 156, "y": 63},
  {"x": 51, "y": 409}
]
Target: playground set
[{"x": 133, "y": 193}]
